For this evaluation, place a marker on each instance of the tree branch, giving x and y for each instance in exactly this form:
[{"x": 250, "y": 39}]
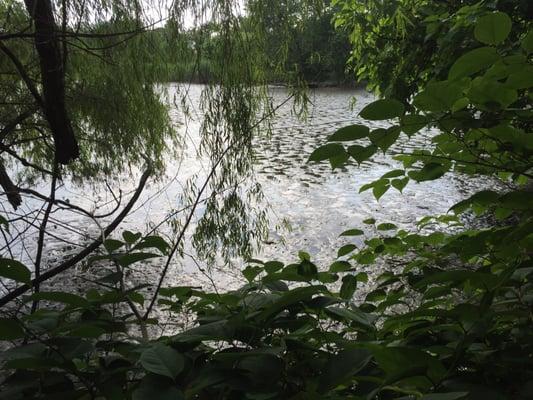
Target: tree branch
[{"x": 85, "y": 252}]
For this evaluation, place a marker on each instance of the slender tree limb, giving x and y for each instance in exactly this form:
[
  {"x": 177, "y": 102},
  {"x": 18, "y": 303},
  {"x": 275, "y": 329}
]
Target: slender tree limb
[
  {"x": 42, "y": 231},
  {"x": 85, "y": 252},
  {"x": 23, "y": 161},
  {"x": 23, "y": 74},
  {"x": 11, "y": 125}
]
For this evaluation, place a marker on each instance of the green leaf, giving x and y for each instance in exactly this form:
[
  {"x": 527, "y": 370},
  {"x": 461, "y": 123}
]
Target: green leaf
[
  {"x": 380, "y": 190},
  {"x": 10, "y": 329},
  {"x": 400, "y": 184},
  {"x": 385, "y": 138},
  {"x": 340, "y": 266},
  {"x": 307, "y": 268},
  {"x": 412, "y": 123},
  {"x": 15, "y": 270},
  {"x": 326, "y": 152},
  {"x": 155, "y": 242},
  {"x": 131, "y": 237},
  {"x": 250, "y": 272},
  {"x": 369, "y": 221},
  {"x": 273, "y": 266},
  {"x": 61, "y": 297},
  {"x": 493, "y": 28},
  {"x": 351, "y": 132},
  {"x": 527, "y": 43},
  {"x": 522, "y": 79},
  {"x": 349, "y": 284},
  {"x": 393, "y": 174},
  {"x": 348, "y": 248},
  {"x": 473, "y": 61},
  {"x": 361, "y": 153},
  {"x": 131, "y": 258},
  {"x": 290, "y": 298},
  {"x": 162, "y": 360},
  {"x": 353, "y": 315},
  {"x": 352, "y": 232},
  {"x": 429, "y": 172},
  {"x": 439, "y": 96},
  {"x": 488, "y": 93},
  {"x": 341, "y": 367},
  {"x": 339, "y": 160},
  {"x": 112, "y": 244},
  {"x": 386, "y": 227},
  {"x": 382, "y": 109}
]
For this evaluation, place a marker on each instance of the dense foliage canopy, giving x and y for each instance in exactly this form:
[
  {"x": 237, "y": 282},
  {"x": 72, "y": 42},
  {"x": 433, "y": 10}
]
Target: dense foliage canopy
[{"x": 450, "y": 319}]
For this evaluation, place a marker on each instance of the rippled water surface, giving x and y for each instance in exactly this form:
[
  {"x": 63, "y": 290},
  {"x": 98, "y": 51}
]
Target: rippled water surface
[{"x": 316, "y": 202}]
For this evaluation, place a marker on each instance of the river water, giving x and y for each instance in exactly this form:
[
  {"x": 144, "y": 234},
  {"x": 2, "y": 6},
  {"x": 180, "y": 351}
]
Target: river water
[{"x": 316, "y": 203}]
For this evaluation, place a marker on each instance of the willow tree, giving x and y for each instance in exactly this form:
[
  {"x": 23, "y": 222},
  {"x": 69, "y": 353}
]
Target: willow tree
[{"x": 82, "y": 101}]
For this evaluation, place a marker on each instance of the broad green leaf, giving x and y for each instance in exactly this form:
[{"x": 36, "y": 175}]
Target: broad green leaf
[
  {"x": 352, "y": 232},
  {"x": 13, "y": 269},
  {"x": 385, "y": 138},
  {"x": 361, "y": 153},
  {"x": 439, "y": 96},
  {"x": 10, "y": 329},
  {"x": 250, "y": 272},
  {"x": 479, "y": 279},
  {"x": 339, "y": 160},
  {"x": 402, "y": 362},
  {"x": 307, "y": 268},
  {"x": 304, "y": 256},
  {"x": 382, "y": 109},
  {"x": 112, "y": 244},
  {"x": 353, "y": 315},
  {"x": 489, "y": 93},
  {"x": 349, "y": 284},
  {"x": 341, "y": 367},
  {"x": 273, "y": 266},
  {"x": 472, "y": 62},
  {"x": 131, "y": 258},
  {"x": 400, "y": 184},
  {"x": 340, "y": 266},
  {"x": 393, "y": 174},
  {"x": 326, "y": 152},
  {"x": 162, "y": 360},
  {"x": 522, "y": 79},
  {"x": 493, "y": 28},
  {"x": 412, "y": 123},
  {"x": 369, "y": 221},
  {"x": 348, "y": 133},
  {"x": 346, "y": 249},
  {"x": 155, "y": 242},
  {"x": 131, "y": 237},
  {"x": 429, "y": 172},
  {"x": 380, "y": 190},
  {"x": 527, "y": 42},
  {"x": 386, "y": 227},
  {"x": 290, "y": 298}
]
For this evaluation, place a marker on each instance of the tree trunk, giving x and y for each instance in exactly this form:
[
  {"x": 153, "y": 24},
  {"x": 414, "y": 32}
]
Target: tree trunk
[{"x": 53, "y": 80}]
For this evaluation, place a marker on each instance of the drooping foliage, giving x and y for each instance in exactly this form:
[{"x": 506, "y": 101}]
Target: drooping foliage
[{"x": 449, "y": 319}]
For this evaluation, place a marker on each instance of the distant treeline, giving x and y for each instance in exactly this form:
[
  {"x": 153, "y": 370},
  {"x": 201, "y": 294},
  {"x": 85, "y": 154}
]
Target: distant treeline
[{"x": 310, "y": 51}]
